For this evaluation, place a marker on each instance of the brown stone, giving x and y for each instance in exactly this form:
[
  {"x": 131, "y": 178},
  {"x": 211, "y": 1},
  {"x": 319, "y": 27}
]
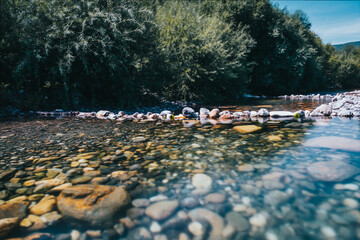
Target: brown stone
[
  {"x": 274, "y": 138},
  {"x": 7, "y": 224},
  {"x": 13, "y": 210},
  {"x": 247, "y": 128},
  {"x": 39, "y": 236},
  {"x": 47, "y": 204},
  {"x": 226, "y": 117},
  {"x": 96, "y": 205}
]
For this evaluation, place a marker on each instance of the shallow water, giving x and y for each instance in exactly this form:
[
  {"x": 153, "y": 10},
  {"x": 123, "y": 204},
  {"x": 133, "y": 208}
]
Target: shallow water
[{"x": 261, "y": 183}]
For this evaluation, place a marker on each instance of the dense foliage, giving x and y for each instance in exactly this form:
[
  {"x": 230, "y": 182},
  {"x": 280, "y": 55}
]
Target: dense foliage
[{"x": 91, "y": 53}]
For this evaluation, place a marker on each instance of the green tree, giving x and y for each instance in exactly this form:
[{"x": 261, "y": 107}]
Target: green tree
[
  {"x": 88, "y": 48},
  {"x": 203, "y": 57}
]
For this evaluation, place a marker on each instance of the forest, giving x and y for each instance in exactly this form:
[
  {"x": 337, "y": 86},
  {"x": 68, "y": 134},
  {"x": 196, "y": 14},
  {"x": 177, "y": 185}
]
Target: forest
[{"x": 98, "y": 53}]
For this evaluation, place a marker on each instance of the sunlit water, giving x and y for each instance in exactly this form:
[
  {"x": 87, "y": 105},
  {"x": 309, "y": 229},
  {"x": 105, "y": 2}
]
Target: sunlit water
[{"x": 259, "y": 177}]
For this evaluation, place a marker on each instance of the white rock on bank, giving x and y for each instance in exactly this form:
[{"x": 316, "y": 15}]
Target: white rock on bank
[
  {"x": 263, "y": 112},
  {"x": 280, "y": 114}
]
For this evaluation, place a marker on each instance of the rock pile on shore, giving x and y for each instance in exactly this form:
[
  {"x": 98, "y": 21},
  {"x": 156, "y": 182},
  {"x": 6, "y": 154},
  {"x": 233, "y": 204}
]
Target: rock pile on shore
[{"x": 342, "y": 105}]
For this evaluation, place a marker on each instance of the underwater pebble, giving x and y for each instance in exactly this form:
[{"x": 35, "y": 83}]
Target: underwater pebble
[
  {"x": 328, "y": 232},
  {"x": 258, "y": 220}
]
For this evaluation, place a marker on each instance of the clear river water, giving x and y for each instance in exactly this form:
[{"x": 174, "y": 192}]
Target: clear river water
[{"x": 294, "y": 179}]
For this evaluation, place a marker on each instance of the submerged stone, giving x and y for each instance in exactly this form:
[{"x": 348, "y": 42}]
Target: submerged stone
[
  {"x": 216, "y": 222},
  {"x": 247, "y": 128},
  {"x": 202, "y": 182},
  {"x": 334, "y": 142},
  {"x": 161, "y": 210},
  {"x": 93, "y": 204},
  {"x": 332, "y": 171},
  {"x": 237, "y": 221}
]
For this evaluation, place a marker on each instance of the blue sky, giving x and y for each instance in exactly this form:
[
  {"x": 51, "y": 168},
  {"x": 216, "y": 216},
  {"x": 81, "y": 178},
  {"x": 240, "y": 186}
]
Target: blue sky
[{"x": 334, "y": 21}]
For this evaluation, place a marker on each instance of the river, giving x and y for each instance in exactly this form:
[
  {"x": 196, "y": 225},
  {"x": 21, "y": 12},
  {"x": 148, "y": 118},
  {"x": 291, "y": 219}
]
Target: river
[{"x": 293, "y": 179}]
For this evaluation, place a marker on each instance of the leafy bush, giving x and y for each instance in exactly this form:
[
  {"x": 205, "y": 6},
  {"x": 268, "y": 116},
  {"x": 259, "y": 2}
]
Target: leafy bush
[{"x": 204, "y": 59}]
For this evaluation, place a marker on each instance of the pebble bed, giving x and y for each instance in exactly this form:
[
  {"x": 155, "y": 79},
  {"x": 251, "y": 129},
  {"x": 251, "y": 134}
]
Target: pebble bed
[{"x": 248, "y": 179}]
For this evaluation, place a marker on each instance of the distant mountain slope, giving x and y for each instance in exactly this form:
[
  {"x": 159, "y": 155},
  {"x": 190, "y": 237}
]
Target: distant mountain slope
[{"x": 341, "y": 46}]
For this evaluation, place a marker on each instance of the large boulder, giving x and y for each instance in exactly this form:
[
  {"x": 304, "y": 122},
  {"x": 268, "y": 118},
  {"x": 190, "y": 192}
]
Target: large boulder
[
  {"x": 334, "y": 142},
  {"x": 96, "y": 205},
  {"x": 332, "y": 171},
  {"x": 322, "y": 110}
]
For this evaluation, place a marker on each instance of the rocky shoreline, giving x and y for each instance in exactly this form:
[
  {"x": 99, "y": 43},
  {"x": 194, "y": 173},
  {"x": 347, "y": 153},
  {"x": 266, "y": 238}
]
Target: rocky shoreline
[
  {"x": 147, "y": 183},
  {"x": 342, "y": 105}
]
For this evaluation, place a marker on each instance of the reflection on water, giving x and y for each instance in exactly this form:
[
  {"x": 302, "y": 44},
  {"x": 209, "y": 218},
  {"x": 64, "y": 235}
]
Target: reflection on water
[
  {"x": 276, "y": 104},
  {"x": 261, "y": 183}
]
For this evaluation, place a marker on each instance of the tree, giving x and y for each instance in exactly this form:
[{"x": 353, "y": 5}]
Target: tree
[
  {"x": 204, "y": 58},
  {"x": 88, "y": 48}
]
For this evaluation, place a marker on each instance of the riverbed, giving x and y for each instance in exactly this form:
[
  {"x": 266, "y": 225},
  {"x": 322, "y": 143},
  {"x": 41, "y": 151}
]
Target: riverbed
[{"x": 294, "y": 179}]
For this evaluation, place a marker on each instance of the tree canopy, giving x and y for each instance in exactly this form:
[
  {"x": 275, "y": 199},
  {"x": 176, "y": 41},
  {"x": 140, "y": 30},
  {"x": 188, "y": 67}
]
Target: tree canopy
[{"x": 92, "y": 53}]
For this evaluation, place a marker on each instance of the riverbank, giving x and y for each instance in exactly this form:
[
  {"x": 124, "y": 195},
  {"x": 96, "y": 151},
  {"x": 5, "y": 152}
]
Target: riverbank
[{"x": 342, "y": 105}]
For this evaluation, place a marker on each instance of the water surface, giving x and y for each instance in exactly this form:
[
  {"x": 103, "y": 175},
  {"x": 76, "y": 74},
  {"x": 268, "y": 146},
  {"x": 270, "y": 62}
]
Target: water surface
[{"x": 265, "y": 179}]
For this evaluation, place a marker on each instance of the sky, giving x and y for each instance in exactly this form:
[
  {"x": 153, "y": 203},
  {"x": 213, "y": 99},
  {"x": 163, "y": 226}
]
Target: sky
[{"x": 334, "y": 21}]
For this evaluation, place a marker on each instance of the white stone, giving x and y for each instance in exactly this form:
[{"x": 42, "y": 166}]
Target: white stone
[
  {"x": 246, "y": 200},
  {"x": 75, "y": 235},
  {"x": 349, "y": 186},
  {"x": 351, "y": 203},
  {"x": 158, "y": 198},
  {"x": 202, "y": 182},
  {"x": 328, "y": 232},
  {"x": 281, "y": 114},
  {"x": 258, "y": 220},
  {"x": 196, "y": 228},
  {"x": 263, "y": 112},
  {"x": 228, "y": 231},
  {"x": 271, "y": 236},
  {"x": 253, "y": 114},
  {"x": 204, "y": 111},
  {"x": 155, "y": 227}
]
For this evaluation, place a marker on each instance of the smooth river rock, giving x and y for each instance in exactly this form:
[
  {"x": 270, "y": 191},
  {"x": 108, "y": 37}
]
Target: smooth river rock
[
  {"x": 247, "y": 129},
  {"x": 6, "y": 225},
  {"x": 280, "y": 114},
  {"x": 10, "y": 215},
  {"x": 161, "y": 210},
  {"x": 202, "y": 182},
  {"x": 333, "y": 142},
  {"x": 47, "y": 204},
  {"x": 216, "y": 222},
  {"x": 96, "y": 205},
  {"x": 237, "y": 221},
  {"x": 332, "y": 171}
]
